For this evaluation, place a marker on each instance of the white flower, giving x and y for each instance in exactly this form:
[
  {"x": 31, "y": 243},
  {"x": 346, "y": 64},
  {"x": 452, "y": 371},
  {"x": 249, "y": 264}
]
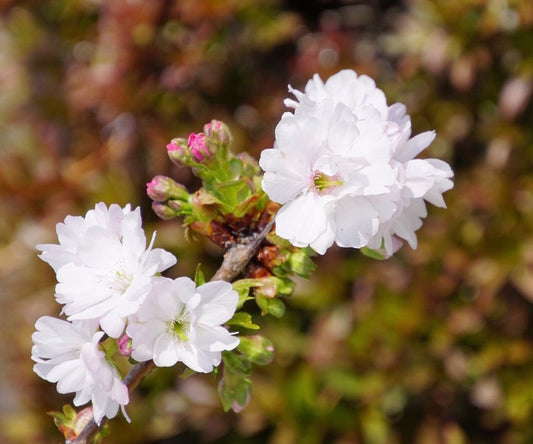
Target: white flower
[
  {"x": 68, "y": 353},
  {"x": 342, "y": 167},
  {"x": 179, "y": 322},
  {"x": 104, "y": 269}
]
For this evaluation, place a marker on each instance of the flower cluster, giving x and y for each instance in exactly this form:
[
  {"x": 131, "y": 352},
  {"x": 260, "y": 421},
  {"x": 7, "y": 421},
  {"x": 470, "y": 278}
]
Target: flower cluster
[
  {"x": 343, "y": 168},
  {"x": 108, "y": 284}
]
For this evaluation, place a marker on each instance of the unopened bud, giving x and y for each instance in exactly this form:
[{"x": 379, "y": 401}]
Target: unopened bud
[
  {"x": 218, "y": 131},
  {"x": 163, "y": 210},
  {"x": 238, "y": 408},
  {"x": 163, "y": 188},
  {"x": 197, "y": 146},
  {"x": 257, "y": 348},
  {"x": 177, "y": 150},
  {"x": 124, "y": 345}
]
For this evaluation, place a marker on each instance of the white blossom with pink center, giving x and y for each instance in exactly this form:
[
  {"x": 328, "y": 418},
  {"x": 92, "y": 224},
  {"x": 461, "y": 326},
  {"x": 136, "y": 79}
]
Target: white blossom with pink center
[
  {"x": 180, "y": 322},
  {"x": 343, "y": 168}
]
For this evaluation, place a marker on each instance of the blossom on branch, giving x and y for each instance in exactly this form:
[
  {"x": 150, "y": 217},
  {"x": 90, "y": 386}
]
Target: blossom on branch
[
  {"x": 343, "y": 168},
  {"x": 68, "y": 354},
  {"x": 103, "y": 267},
  {"x": 182, "y": 323}
]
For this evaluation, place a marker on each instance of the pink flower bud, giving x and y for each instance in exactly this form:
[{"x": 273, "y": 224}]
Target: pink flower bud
[
  {"x": 218, "y": 131},
  {"x": 163, "y": 188},
  {"x": 177, "y": 151},
  {"x": 163, "y": 210},
  {"x": 197, "y": 146},
  {"x": 124, "y": 345}
]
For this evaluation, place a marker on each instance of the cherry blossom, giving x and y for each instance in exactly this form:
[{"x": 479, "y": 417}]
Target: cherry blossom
[
  {"x": 180, "y": 322},
  {"x": 343, "y": 168},
  {"x": 103, "y": 267},
  {"x": 68, "y": 354}
]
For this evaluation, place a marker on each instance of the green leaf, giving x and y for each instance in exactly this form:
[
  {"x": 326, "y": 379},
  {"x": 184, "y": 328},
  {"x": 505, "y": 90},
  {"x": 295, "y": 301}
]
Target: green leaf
[
  {"x": 235, "y": 387},
  {"x": 246, "y": 205},
  {"x": 235, "y": 166},
  {"x": 242, "y": 287},
  {"x": 232, "y": 193},
  {"x": 234, "y": 391},
  {"x": 243, "y": 319},
  {"x": 301, "y": 264},
  {"x": 272, "y": 306},
  {"x": 236, "y": 363},
  {"x": 199, "y": 277}
]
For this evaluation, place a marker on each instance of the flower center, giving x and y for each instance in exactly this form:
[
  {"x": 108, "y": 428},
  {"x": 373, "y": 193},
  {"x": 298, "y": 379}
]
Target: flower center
[
  {"x": 118, "y": 282},
  {"x": 180, "y": 327},
  {"x": 121, "y": 281},
  {"x": 324, "y": 183}
]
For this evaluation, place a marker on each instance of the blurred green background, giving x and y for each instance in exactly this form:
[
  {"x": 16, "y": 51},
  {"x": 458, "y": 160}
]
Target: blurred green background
[{"x": 433, "y": 346}]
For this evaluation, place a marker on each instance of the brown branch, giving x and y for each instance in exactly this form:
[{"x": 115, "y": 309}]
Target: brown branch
[
  {"x": 238, "y": 256},
  {"x": 235, "y": 260}
]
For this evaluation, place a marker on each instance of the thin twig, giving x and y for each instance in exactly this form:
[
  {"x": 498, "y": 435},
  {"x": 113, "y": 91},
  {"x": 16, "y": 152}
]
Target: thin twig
[{"x": 235, "y": 260}]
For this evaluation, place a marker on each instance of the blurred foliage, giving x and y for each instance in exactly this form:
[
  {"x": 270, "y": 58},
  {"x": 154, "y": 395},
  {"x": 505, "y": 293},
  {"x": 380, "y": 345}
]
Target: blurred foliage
[{"x": 432, "y": 346}]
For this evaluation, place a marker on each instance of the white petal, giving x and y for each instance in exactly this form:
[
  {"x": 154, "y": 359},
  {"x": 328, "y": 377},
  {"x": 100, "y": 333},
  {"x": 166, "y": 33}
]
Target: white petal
[
  {"x": 159, "y": 260},
  {"x": 218, "y": 302},
  {"x": 165, "y": 351},
  {"x": 144, "y": 335},
  {"x": 323, "y": 241},
  {"x": 185, "y": 289},
  {"x": 303, "y": 220},
  {"x": 415, "y": 146},
  {"x": 419, "y": 177},
  {"x": 357, "y": 221},
  {"x": 283, "y": 180},
  {"x": 113, "y": 325},
  {"x": 216, "y": 339}
]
